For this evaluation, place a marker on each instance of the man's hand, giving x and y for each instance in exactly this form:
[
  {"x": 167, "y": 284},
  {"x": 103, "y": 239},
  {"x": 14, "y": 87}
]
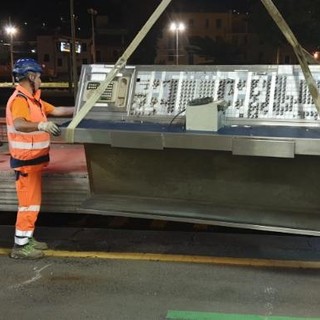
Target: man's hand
[{"x": 49, "y": 127}]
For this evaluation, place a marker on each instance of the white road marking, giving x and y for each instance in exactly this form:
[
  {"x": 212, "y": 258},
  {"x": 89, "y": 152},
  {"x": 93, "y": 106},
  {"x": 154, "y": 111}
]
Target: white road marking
[{"x": 33, "y": 279}]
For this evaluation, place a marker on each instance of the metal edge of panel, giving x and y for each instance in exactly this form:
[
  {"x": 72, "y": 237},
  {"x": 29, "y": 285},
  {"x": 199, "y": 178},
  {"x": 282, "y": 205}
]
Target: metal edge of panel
[
  {"x": 246, "y": 146},
  {"x": 203, "y": 221},
  {"x": 197, "y": 141},
  {"x": 307, "y": 147},
  {"x": 136, "y": 139},
  {"x": 96, "y": 136},
  {"x": 238, "y": 122},
  {"x": 257, "y": 146},
  {"x": 238, "y": 68}
]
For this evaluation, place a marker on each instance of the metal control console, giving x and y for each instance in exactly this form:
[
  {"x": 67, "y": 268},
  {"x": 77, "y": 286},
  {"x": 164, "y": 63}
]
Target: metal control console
[
  {"x": 254, "y": 93},
  {"x": 259, "y": 170}
]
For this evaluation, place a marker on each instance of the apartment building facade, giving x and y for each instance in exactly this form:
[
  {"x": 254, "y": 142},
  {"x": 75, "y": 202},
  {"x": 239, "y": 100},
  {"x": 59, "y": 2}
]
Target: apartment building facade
[
  {"x": 53, "y": 53},
  {"x": 230, "y": 27}
]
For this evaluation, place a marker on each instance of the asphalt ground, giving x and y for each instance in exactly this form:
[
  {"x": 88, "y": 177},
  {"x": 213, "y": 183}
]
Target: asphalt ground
[
  {"x": 82, "y": 232},
  {"x": 73, "y": 288},
  {"x": 109, "y": 273}
]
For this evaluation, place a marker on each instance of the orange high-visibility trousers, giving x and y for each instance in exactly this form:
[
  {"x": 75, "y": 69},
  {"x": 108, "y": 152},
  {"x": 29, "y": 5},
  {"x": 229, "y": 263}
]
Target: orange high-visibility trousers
[{"x": 28, "y": 186}]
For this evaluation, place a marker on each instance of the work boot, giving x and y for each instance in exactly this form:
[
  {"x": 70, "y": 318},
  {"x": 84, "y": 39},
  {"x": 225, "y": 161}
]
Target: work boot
[
  {"x": 37, "y": 244},
  {"x": 26, "y": 252}
]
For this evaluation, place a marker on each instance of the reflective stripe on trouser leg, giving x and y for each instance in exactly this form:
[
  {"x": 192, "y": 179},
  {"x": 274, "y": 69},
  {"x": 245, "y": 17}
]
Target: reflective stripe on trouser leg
[{"x": 29, "y": 198}]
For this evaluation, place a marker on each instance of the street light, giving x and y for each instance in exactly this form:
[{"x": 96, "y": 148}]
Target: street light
[
  {"x": 177, "y": 27},
  {"x": 93, "y": 12},
  {"x": 11, "y": 31}
]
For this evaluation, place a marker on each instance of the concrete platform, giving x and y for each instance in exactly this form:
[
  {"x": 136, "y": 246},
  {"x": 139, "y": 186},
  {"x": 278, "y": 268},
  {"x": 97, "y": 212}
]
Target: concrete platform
[{"x": 65, "y": 180}]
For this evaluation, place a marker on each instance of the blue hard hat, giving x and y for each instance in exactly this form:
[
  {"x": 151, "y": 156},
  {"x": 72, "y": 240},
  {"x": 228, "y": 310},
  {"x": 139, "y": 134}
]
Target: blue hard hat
[{"x": 25, "y": 65}]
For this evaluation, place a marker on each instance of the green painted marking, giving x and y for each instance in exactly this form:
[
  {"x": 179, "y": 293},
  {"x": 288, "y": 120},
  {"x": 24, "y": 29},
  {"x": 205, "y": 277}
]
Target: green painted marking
[{"x": 189, "y": 315}]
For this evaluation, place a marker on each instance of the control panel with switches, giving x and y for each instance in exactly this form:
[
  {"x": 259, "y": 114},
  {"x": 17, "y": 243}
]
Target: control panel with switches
[{"x": 251, "y": 92}]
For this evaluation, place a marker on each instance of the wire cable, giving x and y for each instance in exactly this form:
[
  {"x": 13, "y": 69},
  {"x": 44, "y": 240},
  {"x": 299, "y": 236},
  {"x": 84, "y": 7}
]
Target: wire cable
[{"x": 183, "y": 110}]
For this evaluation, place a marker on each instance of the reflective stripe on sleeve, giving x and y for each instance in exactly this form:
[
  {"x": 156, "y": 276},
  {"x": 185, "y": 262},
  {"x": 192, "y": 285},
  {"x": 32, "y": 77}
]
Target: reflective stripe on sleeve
[
  {"x": 33, "y": 208},
  {"x": 11, "y": 129}
]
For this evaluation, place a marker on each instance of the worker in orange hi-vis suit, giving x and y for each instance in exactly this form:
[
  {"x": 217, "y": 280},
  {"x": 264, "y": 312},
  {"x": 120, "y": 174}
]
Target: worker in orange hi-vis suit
[{"x": 29, "y": 141}]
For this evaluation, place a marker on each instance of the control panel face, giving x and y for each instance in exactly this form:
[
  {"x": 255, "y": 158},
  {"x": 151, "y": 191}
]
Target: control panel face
[
  {"x": 251, "y": 92},
  {"x": 114, "y": 98},
  {"x": 115, "y": 94},
  {"x": 280, "y": 94}
]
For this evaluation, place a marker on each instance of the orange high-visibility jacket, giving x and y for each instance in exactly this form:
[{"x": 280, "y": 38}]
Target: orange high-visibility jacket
[{"x": 29, "y": 150}]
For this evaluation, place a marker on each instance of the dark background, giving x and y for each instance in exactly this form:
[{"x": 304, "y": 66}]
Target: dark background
[{"x": 36, "y": 17}]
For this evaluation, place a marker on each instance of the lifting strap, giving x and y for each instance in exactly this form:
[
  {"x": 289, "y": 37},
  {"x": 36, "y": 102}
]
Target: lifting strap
[
  {"x": 302, "y": 55},
  {"x": 114, "y": 71}
]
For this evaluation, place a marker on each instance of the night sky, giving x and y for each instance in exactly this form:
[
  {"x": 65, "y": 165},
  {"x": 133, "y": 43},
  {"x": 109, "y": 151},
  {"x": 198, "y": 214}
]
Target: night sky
[{"x": 37, "y": 16}]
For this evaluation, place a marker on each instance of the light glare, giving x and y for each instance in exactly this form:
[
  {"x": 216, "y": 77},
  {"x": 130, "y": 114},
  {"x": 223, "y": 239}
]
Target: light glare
[
  {"x": 11, "y": 30},
  {"x": 177, "y": 26}
]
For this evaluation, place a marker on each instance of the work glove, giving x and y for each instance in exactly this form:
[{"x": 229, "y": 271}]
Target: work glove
[{"x": 49, "y": 127}]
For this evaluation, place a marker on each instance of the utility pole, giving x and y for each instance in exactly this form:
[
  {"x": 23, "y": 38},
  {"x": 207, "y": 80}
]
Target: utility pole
[
  {"x": 11, "y": 31},
  {"x": 93, "y": 12},
  {"x": 176, "y": 28},
  {"x": 73, "y": 50},
  {"x": 11, "y": 56}
]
